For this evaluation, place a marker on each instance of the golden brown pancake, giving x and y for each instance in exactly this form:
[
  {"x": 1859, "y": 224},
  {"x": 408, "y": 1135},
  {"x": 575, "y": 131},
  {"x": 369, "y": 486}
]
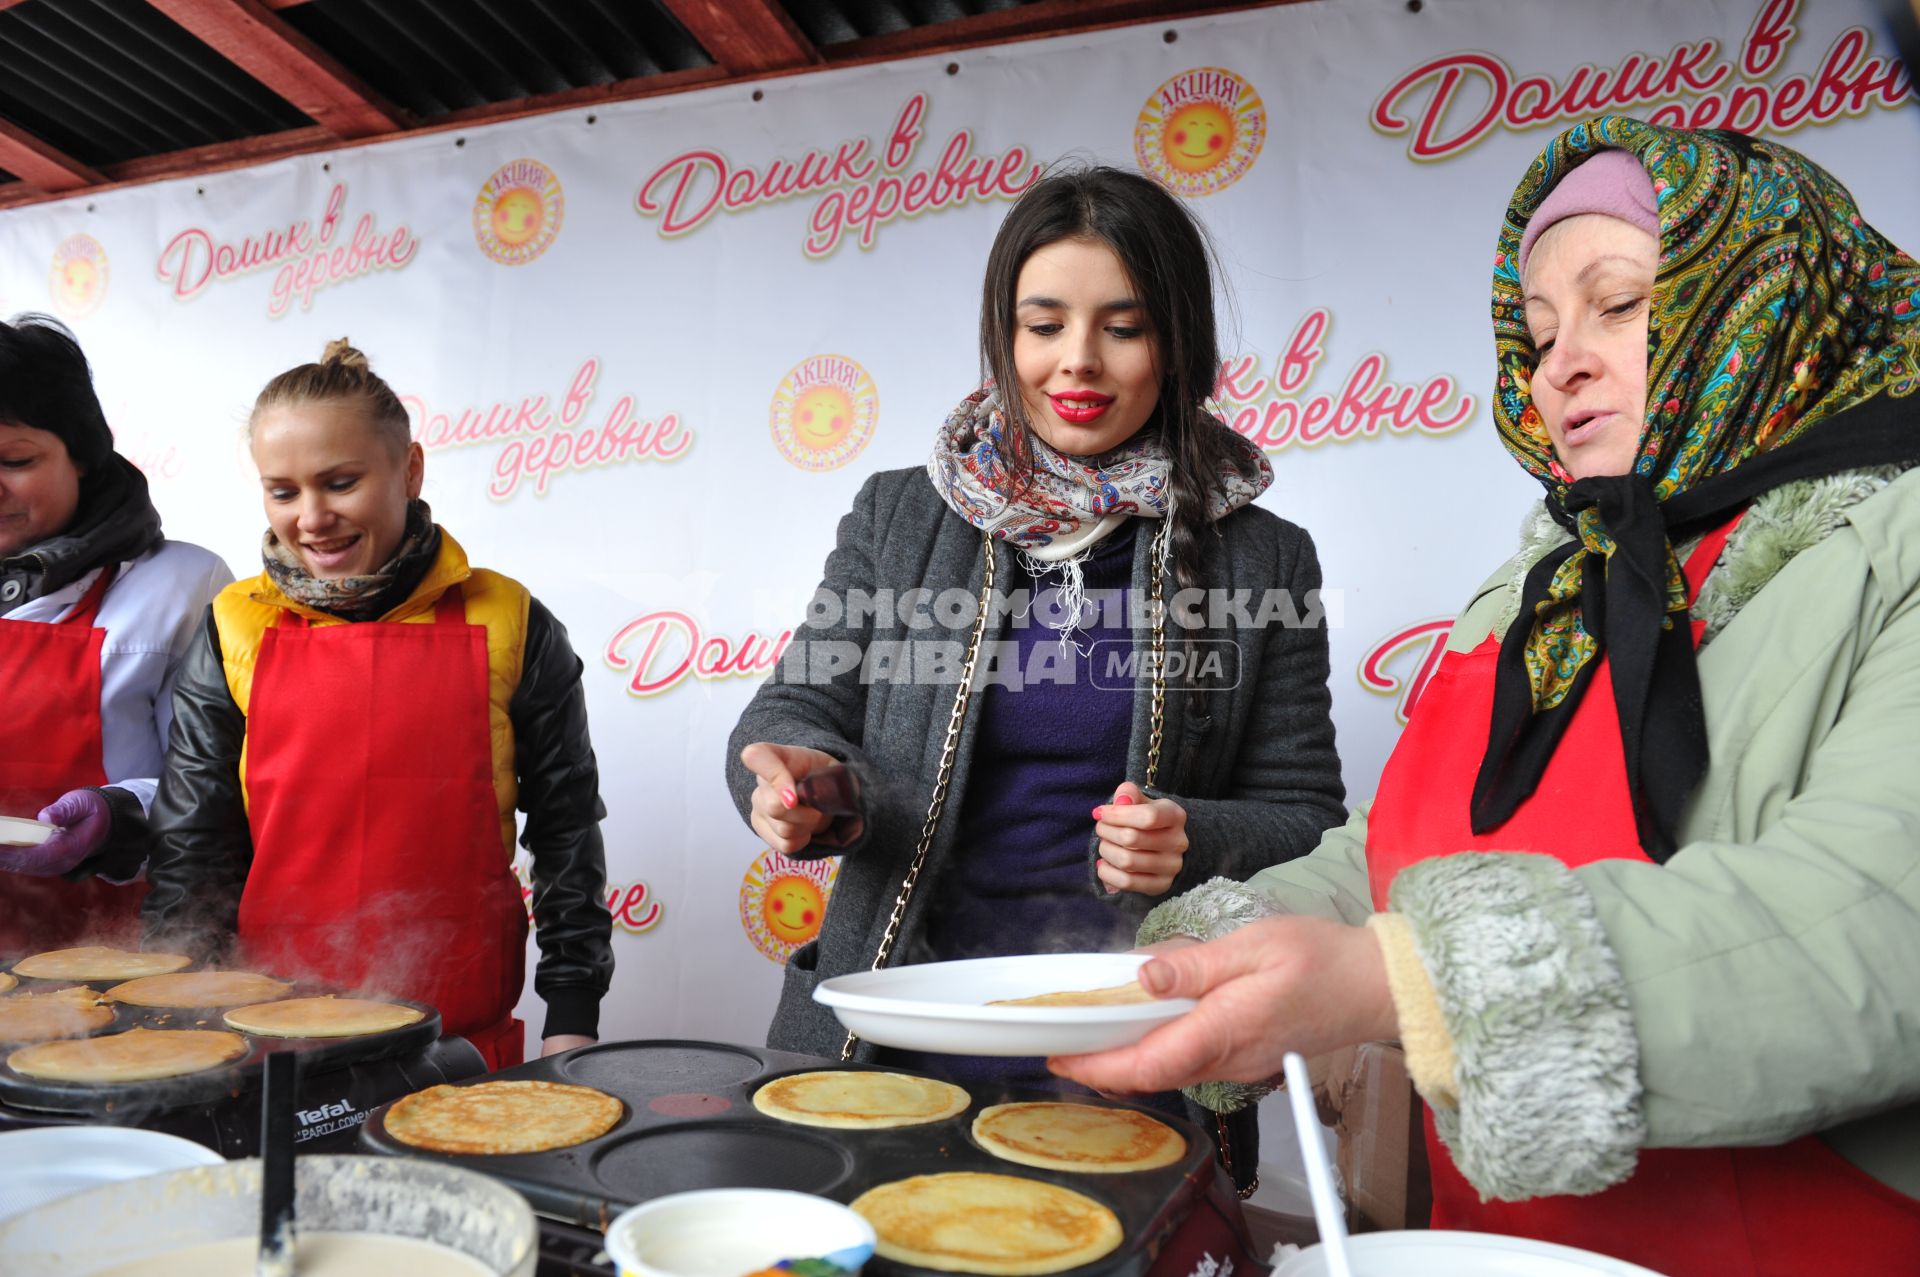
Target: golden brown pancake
[
  {"x": 322, "y": 1018},
  {"x": 853, "y": 1100},
  {"x": 969, "y": 1222},
  {"x": 138, "y": 1055},
  {"x": 1118, "y": 995},
  {"x": 91, "y": 962},
  {"x": 502, "y": 1117},
  {"x": 6, "y": 982},
  {"x": 200, "y": 989},
  {"x": 42, "y": 1017},
  {"x": 1077, "y": 1137}
]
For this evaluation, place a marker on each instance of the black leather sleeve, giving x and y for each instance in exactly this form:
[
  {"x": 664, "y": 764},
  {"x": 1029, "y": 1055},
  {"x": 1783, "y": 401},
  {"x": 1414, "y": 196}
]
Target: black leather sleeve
[
  {"x": 201, "y": 846},
  {"x": 560, "y": 795}
]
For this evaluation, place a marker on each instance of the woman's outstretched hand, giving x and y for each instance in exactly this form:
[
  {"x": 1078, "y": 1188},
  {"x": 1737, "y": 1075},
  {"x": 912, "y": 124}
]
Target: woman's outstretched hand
[{"x": 1310, "y": 985}]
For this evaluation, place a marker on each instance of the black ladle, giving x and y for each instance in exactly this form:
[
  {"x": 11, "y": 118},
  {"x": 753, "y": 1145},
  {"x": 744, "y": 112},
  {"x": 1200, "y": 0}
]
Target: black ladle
[{"x": 280, "y": 1077}]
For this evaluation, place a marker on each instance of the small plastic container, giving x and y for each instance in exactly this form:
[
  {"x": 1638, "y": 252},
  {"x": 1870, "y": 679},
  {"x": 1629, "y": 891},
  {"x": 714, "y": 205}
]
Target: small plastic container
[{"x": 731, "y": 1232}]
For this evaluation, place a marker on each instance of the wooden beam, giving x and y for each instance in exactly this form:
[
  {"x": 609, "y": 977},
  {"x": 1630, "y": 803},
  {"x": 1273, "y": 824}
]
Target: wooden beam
[
  {"x": 1027, "y": 22},
  {"x": 646, "y": 86},
  {"x": 279, "y": 57},
  {"x": 37, "y": 164},
  {"x": 13, "y": 194},
  {"x": 220, "y": 156},
  {"x": 747, "y": 37}
]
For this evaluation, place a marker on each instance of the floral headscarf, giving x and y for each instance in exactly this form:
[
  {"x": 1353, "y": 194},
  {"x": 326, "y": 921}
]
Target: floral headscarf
[{"x": 1781, "y": 331}]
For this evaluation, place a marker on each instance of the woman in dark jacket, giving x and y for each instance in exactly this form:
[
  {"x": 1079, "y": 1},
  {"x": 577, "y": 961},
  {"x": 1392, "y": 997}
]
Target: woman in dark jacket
[
  {"x": 1079, "y": 779},
  {"x": 352, "y": 735},
  {"x": 97, "y": 609}
]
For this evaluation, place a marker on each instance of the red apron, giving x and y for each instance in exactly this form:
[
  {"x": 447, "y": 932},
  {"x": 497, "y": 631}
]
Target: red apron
[
  {"x": 1795, "y": 1209},
  {"x": 52, "y": 745},
  {"x": 377, "y": 861},
  {"x": 1690, "y": 1212}
]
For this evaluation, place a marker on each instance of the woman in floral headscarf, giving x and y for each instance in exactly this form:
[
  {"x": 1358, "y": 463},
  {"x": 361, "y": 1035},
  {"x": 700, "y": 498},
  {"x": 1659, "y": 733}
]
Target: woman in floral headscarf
[
  {"x": 1647, "y": 858},
  {"x": 1039, "y": 794}
]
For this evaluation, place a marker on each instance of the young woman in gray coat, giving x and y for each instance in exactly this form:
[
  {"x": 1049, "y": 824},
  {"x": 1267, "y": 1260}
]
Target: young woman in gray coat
[{"x": 1036, "y": 761}]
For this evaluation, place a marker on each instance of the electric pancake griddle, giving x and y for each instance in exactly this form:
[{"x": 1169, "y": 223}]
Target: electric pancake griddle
[{"x": 690, "y": 1123}]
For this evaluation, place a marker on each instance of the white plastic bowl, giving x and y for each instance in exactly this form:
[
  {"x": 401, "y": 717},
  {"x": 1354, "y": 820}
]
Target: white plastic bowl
[
  {"x": 728, "y": 1232},
  {"x": 105, "y": 1228},
  {"x": 940, "y": 1006},
  {"x": 1453, "y": 1254}
]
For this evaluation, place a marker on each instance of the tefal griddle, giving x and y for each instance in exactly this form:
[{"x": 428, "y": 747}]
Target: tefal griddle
[
  {"x": 690, "y": 1123},
  {"x": 341, "y": 1080}
]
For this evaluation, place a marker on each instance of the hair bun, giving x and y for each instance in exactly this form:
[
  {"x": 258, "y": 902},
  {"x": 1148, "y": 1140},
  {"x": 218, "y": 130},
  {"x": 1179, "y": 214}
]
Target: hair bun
[{"x": 340, "y": 351}]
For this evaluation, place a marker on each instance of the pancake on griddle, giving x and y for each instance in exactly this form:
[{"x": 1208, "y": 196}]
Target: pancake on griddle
[
  {"x": 969, "y": 1222},
  {"x": 1078, "y": 1137},
  {"x": 490, "y": 1118},
  {"x": 849, "y": 1099},
  {"x": 1119, "y": 995},
  {"x": 6, "y": 982},
  {"x": 322, "y": 1018},
  {"x": 200, "y": 989},
  {"x": 42, "y": 1017},
  {"x": 92, "y": 962},
  {"x": 138, "y": 1055}
]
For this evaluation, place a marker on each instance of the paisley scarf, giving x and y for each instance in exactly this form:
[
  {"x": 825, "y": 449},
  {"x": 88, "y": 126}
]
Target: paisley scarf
[
  {"x": 1783, "y": 333},
  {"x": 358, "y": 598},
  {"x": 1063, "y": 497}
]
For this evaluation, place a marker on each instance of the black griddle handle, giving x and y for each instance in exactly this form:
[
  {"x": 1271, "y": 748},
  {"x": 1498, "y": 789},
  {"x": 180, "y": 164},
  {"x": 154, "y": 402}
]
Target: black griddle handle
[{"x": 279, "y": 1083}]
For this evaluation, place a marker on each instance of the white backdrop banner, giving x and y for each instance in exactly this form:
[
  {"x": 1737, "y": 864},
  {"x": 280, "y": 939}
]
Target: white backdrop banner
[{"x": 653, "y": 349}]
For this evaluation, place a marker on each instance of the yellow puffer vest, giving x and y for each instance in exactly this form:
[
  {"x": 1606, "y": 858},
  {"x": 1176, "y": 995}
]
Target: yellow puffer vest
[{"x": 244, "y": 611}]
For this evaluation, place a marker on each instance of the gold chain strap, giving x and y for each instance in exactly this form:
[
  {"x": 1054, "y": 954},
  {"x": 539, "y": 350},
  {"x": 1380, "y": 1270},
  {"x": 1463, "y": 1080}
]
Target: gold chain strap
[
  {"x": 1158, "y": 700},
  {"x": 951, "y": 747},
  {"x": 957, "y": 719}
]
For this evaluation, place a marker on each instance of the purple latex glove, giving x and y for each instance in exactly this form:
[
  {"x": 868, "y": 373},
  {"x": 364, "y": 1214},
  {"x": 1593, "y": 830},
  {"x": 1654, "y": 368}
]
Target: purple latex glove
[{"x": 85, "y": 821}]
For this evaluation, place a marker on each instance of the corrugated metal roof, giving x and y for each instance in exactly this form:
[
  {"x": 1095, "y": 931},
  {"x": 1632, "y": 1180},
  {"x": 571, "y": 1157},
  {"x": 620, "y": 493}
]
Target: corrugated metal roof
[
  {"x": 110, "y": 80},
  {"x": 436, "y": 56},
  {"x": 113, "y": 91},
  {"x": 829, "y": 22}
]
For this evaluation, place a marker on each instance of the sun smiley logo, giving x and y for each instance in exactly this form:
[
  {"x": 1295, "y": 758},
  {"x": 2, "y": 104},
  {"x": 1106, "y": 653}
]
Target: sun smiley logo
[
  {"x": 824, "y": 412},
  {"x": 782, "y": 901},
  {"x": 1201, "y": 131},
  {"x": 518, "y": 212},
  {"x": 79, "y": 276}
]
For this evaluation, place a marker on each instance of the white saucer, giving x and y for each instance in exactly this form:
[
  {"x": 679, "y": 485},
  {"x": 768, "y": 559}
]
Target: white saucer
[{"x": 39, "y": 1165}]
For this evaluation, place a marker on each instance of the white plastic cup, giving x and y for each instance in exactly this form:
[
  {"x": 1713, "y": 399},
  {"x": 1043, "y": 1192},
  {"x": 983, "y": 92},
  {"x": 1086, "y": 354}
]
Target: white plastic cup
[{"x": 729, "y": 1232}]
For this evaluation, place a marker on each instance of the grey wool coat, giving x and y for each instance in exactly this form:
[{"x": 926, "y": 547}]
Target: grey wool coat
[{"x": 1253, "y": 764}]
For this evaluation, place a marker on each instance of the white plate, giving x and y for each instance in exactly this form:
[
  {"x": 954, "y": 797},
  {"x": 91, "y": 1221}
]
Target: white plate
[
  {"x": 1451, "y": 1254},
  {"x": 38, "y": 1165},
  {"x": 18, "y": 831},
  {"x": 939, "y": 1006}
]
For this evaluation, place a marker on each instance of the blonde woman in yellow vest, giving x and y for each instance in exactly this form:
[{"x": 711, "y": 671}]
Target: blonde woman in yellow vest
[{"x": 355, "y": 732}]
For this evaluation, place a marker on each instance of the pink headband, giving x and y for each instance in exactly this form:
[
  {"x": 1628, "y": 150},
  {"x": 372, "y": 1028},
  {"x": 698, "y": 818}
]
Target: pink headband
[{"x": 1612, "y": 182}]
